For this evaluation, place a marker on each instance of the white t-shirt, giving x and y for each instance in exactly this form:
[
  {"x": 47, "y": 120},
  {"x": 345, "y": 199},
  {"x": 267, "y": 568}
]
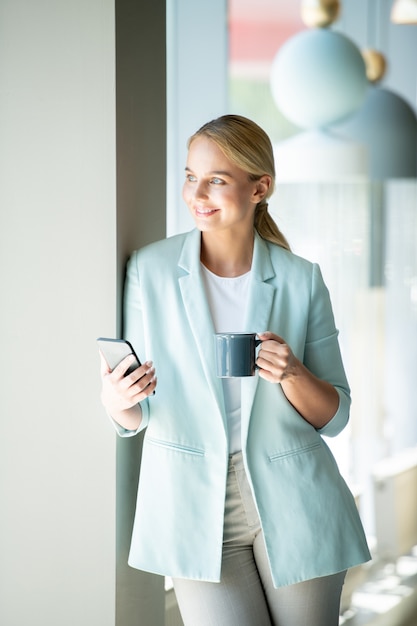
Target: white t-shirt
[{"x": 227, "y": 298}]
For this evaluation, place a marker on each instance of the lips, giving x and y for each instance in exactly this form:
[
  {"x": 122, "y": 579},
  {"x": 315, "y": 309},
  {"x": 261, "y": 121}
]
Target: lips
[{"x": 204, "y": 212}]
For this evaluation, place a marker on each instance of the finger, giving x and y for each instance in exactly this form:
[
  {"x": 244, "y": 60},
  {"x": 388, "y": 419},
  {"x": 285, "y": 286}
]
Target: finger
[
  {"x": 139, "y": 373},
  {"x": 278, "y": 354},
  {"x": 268, "y": 335},
  {"x": 144, "y": 387},
  {"x": 266, "y": 375},
  {"x": 275, "y": 376},
  {"x": 271, "y": 368},
  {"x": 273, "y": 356},
  {"x": 150, "y": 388},
  {"x": 265, "y": 360},
  {"x": 120, "y": 370},
  {"x": 136, "y": 382},
  {"x": 271, "y": 352}
]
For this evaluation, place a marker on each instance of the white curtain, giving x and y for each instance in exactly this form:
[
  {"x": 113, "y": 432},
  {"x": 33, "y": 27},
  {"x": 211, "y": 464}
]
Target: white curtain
[
  {"x": 401, "y": 313},
  {"x": 340, "y": 226}
]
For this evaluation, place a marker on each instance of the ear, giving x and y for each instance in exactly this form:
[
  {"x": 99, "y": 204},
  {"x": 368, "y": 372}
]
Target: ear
[{"x": 262, "y": 187}]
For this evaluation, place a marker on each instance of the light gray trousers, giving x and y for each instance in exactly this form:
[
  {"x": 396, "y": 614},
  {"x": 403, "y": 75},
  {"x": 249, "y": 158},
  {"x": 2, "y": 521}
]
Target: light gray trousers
[{"x": 246, "y": 595}]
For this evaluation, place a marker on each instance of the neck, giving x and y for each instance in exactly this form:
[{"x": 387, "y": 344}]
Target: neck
[{"x": 227, "y": 255}]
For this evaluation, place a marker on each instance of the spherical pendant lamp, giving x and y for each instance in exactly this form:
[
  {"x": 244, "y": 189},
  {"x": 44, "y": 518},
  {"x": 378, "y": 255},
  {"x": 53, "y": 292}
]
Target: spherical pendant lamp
[
  {"x": 387, "y": 125},
  {"x": 318, "y": 78}
]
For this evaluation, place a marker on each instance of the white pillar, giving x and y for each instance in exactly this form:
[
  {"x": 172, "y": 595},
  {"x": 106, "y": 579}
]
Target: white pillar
[{"x": 141, "y": 218}]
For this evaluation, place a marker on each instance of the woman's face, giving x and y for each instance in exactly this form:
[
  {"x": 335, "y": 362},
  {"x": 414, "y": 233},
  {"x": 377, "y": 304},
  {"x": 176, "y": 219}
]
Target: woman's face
[{"x": 219, "y": 194}]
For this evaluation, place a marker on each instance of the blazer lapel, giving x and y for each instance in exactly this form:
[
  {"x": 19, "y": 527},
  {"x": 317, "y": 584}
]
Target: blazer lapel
[
  {"x": 261, "y": 293},
  {"x": 198, "y": 312},
  {"x": 258, "y": 313}
]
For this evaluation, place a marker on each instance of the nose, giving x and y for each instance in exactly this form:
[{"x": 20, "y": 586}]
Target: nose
[{"x": 201, "y": 190}]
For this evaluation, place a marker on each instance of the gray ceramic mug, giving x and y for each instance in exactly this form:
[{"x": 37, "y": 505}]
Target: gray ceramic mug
[{"x": 235, "y": 354}]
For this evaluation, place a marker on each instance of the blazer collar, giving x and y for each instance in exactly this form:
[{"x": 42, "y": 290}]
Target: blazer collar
[
  {"x": 262, "y": 269},
  {"x": 190, "y": 254}
]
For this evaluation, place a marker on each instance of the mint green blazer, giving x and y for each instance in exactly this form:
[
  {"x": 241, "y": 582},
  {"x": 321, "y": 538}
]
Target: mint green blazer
[{"x": 308, "y": 515}]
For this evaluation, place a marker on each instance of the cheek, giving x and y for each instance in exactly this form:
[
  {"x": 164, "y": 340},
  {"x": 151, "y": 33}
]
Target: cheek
[{"x": 185, "y": 193}]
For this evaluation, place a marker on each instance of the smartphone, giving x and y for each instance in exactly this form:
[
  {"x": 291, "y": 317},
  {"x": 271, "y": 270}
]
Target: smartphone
[{"x": 115, "y": 350}]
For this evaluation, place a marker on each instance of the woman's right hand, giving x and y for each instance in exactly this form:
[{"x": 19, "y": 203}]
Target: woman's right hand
[{"x": 121, "y": 394}]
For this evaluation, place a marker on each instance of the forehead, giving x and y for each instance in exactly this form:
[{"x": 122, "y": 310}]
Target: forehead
[
  {"x": 206, "y": 155},
  {"x": 202, "y": 145}
]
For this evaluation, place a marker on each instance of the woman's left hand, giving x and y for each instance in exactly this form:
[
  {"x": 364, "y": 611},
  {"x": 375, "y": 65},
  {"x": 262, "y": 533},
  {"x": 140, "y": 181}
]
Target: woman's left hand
[
  {"x": 276, "y": 360},
  {"x": 315, "y": 400}
]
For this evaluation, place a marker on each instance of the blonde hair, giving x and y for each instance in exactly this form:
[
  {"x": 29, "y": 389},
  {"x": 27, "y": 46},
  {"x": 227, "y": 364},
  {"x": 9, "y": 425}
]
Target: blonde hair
[{"x": 246, "y": 145}]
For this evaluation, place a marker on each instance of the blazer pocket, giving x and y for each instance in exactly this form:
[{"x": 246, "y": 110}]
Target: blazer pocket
[
  {"x": 175, "y": 447},
  {"x": 294, "y": 452}
]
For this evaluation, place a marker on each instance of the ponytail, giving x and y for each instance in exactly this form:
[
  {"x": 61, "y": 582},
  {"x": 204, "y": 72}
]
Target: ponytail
[{"x": 267, "y": 228}]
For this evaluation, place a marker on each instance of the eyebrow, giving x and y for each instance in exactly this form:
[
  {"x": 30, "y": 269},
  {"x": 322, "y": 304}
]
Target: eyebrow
[{"x": 214, "y": 172}]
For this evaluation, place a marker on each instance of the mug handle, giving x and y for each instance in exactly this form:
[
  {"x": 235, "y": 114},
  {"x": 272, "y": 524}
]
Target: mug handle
[{"x": 257, "y": 342}]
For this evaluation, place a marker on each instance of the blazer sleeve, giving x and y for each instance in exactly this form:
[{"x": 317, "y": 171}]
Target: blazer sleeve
[
  {"x": 133, "y": 331},
  {"x": 322, "y": 352}
]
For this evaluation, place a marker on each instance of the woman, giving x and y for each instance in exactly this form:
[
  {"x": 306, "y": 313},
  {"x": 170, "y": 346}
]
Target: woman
[{"x": 240, "y": 500}]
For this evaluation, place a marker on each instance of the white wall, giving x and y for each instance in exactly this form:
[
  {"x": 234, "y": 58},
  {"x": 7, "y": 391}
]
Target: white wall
[
  {"x": 57, "y": 203},
  {"x": 63, "y": 241}
]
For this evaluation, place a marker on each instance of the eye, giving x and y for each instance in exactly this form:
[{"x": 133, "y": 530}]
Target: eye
[
  {"x": 190, "y": 178},
  {"x": 217, "y": 181}
]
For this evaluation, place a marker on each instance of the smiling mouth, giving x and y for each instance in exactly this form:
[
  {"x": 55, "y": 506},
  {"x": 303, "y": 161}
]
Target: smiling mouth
[{"x": 205, "y": 212}]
